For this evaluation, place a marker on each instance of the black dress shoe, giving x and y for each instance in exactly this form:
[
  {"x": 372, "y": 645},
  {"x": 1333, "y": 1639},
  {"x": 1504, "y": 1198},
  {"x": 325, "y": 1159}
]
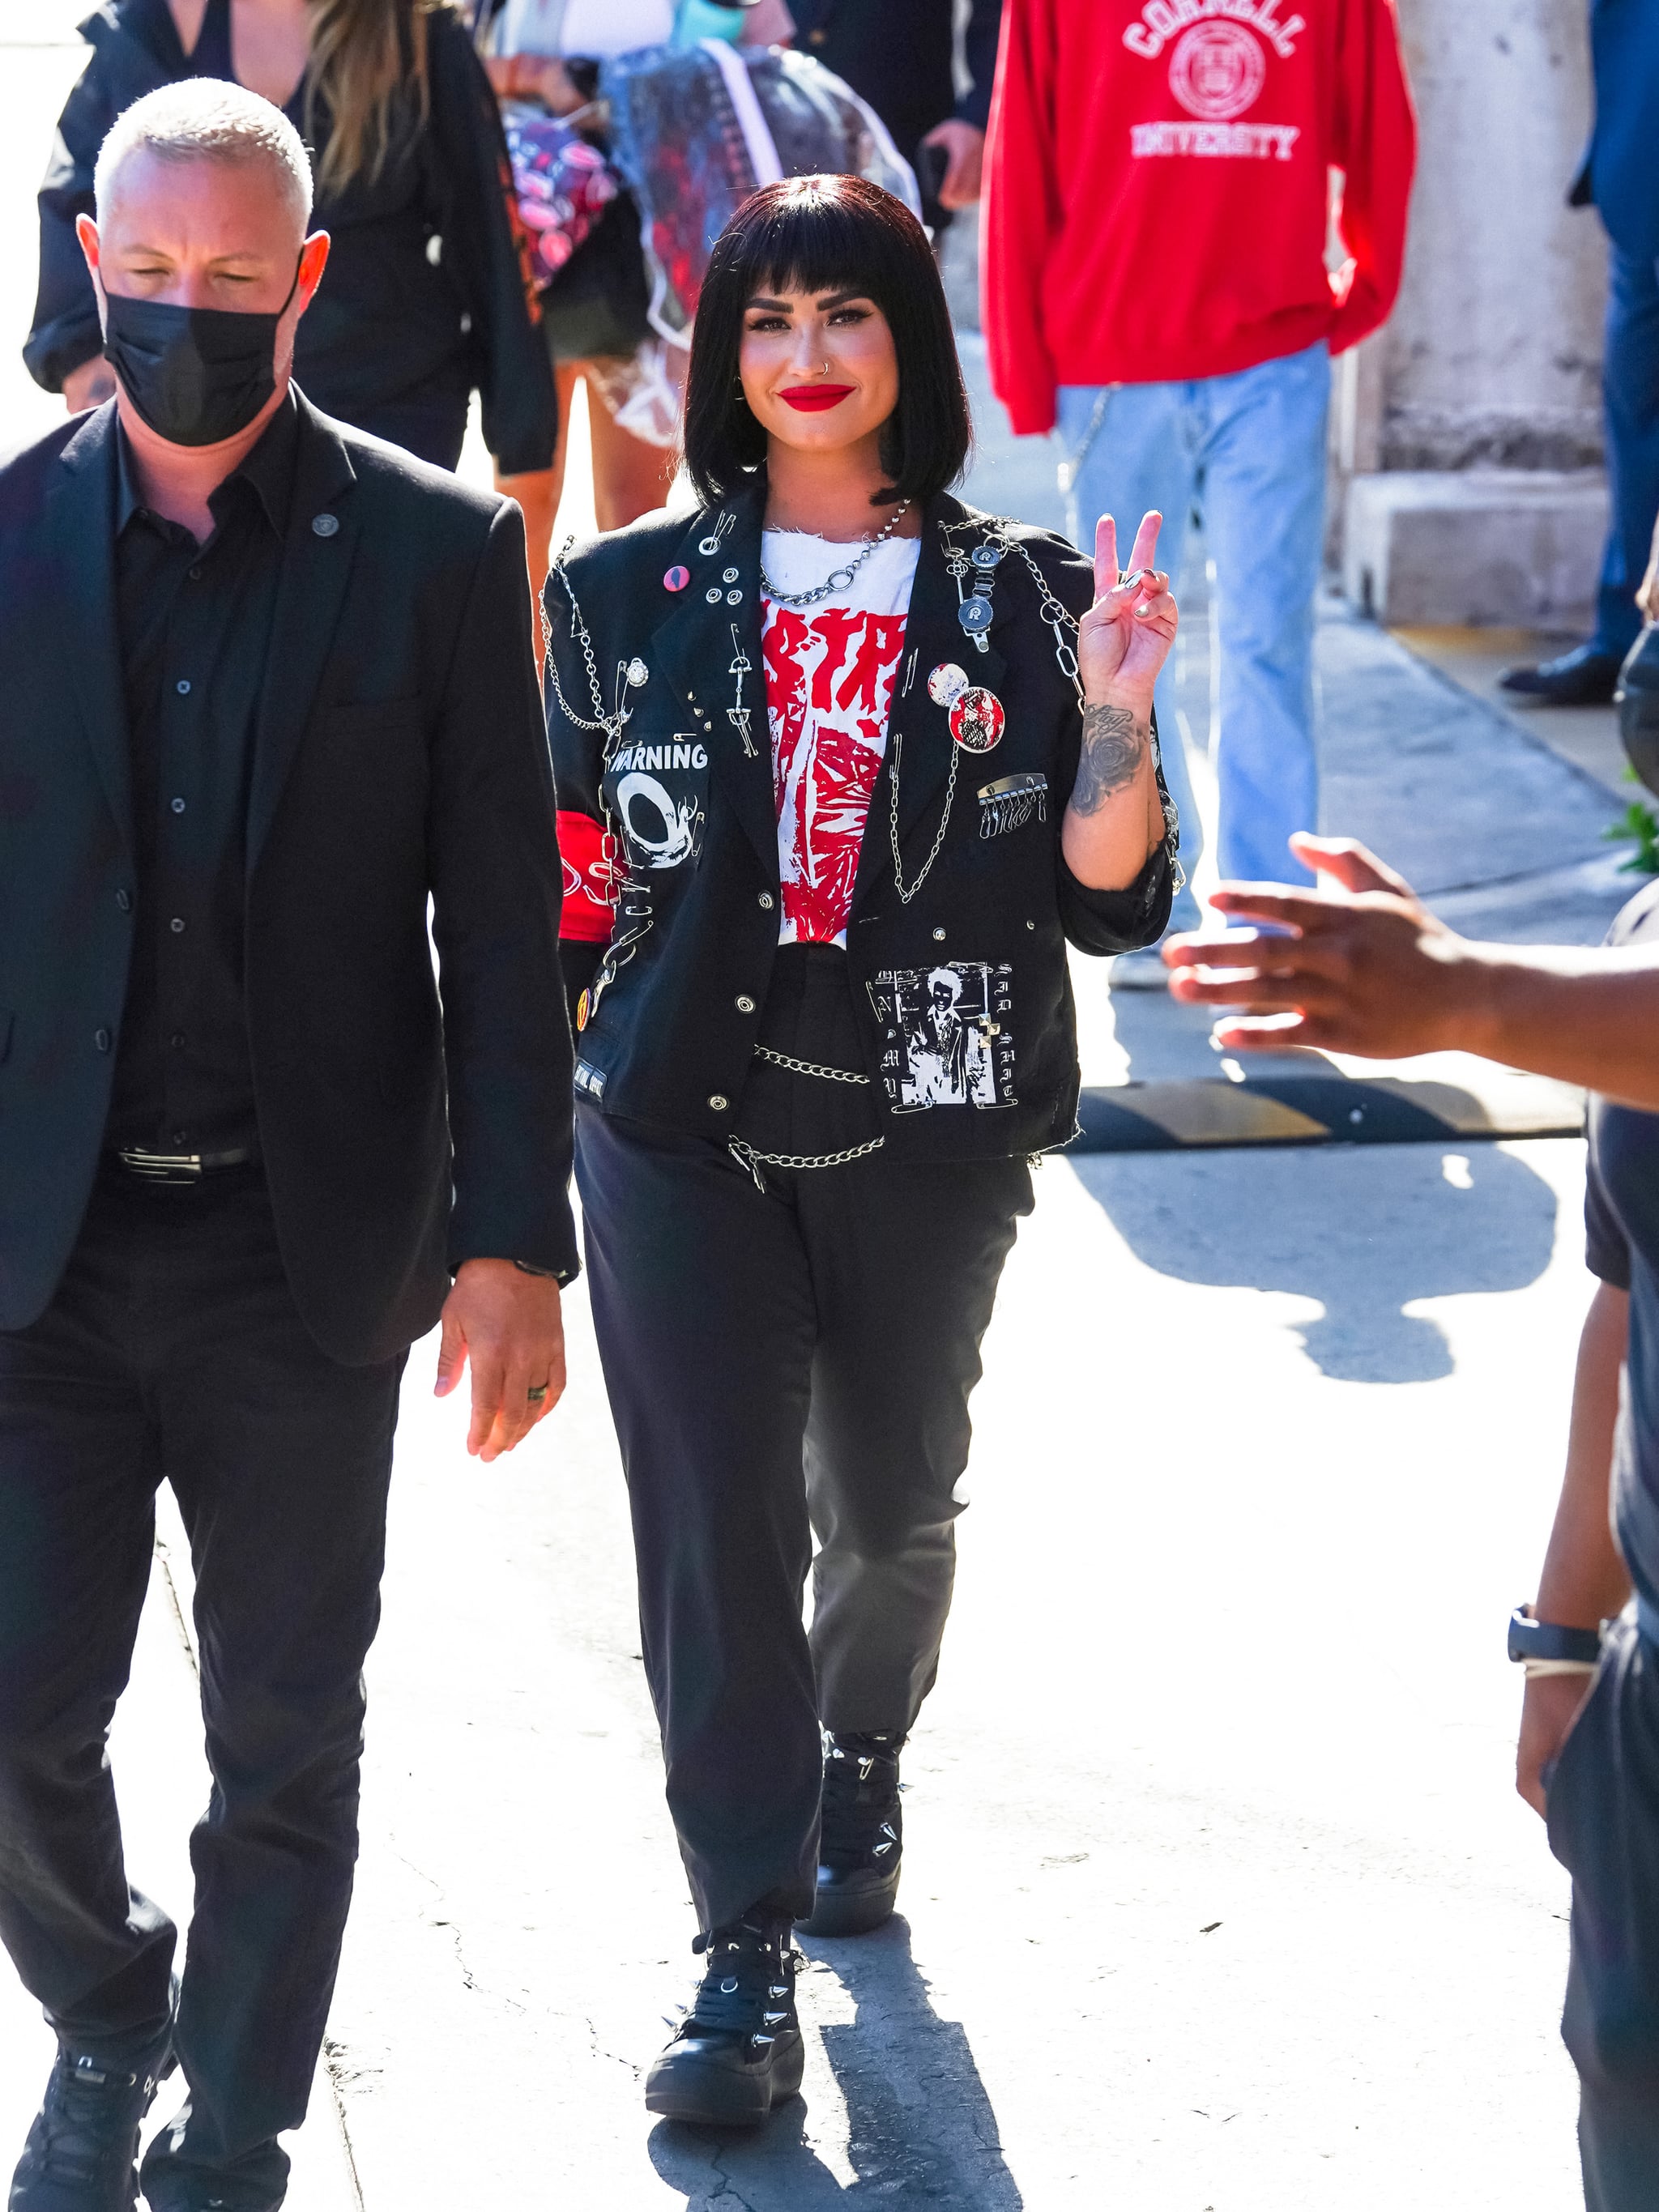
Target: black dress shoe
[
  {"x": 1584, "y": 677},
  {"x": 863, "y": 1838},
  {"x": 738, "y": 2051},
  {"x": 81, "y": 2153}
]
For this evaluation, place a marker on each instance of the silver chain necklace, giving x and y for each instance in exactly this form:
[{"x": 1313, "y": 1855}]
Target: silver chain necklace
[{"x": 842, "y": 579}]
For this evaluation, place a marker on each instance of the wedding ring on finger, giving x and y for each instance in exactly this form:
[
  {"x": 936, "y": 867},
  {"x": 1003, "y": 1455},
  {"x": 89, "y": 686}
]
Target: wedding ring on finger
[{"x": 536, "y": 1393}]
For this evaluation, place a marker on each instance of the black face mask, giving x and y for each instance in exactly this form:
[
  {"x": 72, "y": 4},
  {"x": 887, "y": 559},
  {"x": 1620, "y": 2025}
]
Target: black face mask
[{"x": 196, "y": 374}]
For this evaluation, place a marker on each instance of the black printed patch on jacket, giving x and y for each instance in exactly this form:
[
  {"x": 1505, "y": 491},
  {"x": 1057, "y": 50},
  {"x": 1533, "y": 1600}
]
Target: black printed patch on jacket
[
  {"x": 945, "y": 1039},
  {"x": 657, "y": 794}
]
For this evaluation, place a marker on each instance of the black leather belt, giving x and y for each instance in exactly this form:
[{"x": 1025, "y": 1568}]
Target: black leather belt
[{"x": 181, "y": 1167}]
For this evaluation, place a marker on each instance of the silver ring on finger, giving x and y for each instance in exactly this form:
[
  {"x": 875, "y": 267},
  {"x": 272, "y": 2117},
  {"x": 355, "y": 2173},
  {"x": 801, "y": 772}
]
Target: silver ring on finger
[
  {"x": 1127, "y": 577},
  {"x": 536, "y": 1393}
]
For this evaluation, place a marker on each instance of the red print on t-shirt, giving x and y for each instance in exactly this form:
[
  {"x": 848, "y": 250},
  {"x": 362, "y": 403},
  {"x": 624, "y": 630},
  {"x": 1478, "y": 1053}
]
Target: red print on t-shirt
[{"x": 829, "y": 693}]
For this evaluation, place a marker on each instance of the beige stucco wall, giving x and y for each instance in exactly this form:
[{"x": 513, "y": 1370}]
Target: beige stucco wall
[{"x": 1493, "y": 354}]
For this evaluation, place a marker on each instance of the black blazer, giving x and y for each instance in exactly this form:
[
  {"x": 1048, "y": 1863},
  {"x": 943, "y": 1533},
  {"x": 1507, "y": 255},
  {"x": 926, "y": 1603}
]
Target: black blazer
[
  {"x": 670, "y": 1039},
  {"x": 398, "y": 757},
  {"x": 390, "y": 326}
]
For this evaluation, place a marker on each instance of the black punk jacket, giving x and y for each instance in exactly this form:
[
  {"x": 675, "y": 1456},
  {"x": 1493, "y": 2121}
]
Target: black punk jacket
[
  {"x": 399, "y": 758},
  {"x": 685, "y": 789}
]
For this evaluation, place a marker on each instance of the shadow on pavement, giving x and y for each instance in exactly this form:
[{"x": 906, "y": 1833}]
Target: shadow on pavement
[
  {"x": 1366, "y": 1231},
  {"x": 920, "y": 2127}
]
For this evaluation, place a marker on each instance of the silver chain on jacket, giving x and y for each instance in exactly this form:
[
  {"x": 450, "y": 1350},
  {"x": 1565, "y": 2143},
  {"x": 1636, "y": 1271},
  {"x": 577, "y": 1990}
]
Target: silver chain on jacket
[{"x": 841, "y": 580}]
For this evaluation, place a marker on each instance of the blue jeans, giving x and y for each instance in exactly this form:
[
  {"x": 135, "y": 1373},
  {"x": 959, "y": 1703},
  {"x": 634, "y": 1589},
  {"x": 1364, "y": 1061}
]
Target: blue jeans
[
  {"x": 1630, "y": 392},
  {"x": 1248, "y": 452}
]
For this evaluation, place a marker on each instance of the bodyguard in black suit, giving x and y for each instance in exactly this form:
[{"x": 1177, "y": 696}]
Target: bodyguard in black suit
[{"x": 268, "y": 689}]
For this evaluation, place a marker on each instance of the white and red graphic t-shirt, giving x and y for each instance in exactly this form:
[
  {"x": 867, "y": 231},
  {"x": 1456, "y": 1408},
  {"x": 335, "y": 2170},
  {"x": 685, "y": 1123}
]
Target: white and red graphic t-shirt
[{"x": 830, "y": 670}]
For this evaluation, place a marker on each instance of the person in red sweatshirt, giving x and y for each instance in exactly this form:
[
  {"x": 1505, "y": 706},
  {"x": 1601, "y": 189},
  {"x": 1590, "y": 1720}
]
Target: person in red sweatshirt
[{"x": 1156, "y": 217}]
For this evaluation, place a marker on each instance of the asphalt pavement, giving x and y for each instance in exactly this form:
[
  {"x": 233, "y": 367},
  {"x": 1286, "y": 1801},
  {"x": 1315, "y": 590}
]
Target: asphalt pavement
[{"x": 1217, "y": 1898}]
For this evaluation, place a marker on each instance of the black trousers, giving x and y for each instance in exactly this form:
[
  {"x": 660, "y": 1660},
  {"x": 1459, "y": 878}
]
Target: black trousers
[
  {"x": 1604, "y": 1828},
  {"x": 172, "y": 1352},
  {"x": 778, "y": 1363}
]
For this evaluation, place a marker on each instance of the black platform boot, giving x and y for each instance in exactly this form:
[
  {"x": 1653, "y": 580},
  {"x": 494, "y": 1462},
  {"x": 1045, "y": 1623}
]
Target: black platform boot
[
  {"x": 738, "y": 2052},
  {"x": 863, "y": 1838},
  {"x": 82, "y": 2151}
]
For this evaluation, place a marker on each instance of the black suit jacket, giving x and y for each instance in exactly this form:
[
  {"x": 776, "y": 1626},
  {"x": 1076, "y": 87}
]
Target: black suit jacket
[{"x": 400, "y": 757}]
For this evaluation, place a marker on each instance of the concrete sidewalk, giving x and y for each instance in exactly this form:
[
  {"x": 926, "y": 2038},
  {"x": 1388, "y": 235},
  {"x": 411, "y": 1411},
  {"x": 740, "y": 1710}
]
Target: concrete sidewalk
[{"x": 1216, "y": 1892}]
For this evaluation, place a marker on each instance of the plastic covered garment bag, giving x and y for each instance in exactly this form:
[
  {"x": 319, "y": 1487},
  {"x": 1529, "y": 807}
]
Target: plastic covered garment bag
[{"x": 695, "y": 132}]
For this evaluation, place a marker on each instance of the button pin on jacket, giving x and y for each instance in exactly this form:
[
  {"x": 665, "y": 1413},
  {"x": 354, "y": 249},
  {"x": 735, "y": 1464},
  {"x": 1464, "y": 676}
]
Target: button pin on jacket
[
  {"x": 947, "y": 684},
  {"x": 326, "y": 526},
  {"x": 713, "y": 595},
  {"x": 676, "y": 578},
  {"x": 977, "y": 719}
]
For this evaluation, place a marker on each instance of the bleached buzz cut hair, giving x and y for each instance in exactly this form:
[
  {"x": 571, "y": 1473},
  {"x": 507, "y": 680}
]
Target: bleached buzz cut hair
[{"x": 202, "y": 119}]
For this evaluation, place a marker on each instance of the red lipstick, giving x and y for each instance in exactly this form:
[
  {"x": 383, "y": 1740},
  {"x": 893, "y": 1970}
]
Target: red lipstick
[{"x": 815, "y": 398}]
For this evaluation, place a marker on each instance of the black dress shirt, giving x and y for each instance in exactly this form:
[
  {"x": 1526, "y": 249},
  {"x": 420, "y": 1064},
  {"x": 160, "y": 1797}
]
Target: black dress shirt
[{"x": 194, "y": 625}]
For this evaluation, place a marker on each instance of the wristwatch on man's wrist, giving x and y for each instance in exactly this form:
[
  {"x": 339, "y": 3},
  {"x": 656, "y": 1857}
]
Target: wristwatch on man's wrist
[{"x": 1548, "y": 1639}]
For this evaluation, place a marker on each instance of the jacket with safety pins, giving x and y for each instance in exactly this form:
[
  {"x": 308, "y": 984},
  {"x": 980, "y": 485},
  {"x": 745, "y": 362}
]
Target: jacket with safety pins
[{"x": 670, "y": 814}]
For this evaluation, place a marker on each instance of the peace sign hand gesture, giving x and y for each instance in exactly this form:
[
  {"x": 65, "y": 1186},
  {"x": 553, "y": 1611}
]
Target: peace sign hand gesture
[{"x": 1125, "y": 638}]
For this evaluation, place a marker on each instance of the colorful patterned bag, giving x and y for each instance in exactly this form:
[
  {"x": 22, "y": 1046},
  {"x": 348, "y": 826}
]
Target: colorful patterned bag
[
  {"x": 563, "y": 182},
  {"x": 694, "y": 132}
]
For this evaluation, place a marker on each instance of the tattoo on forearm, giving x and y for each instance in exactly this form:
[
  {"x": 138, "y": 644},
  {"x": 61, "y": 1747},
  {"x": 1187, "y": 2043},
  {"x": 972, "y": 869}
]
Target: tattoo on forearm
[{"x": 1114, "y": 746}]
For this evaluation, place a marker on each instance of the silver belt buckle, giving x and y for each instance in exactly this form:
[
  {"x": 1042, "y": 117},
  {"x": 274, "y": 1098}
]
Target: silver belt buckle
[{"x": 162, "y": 1167}]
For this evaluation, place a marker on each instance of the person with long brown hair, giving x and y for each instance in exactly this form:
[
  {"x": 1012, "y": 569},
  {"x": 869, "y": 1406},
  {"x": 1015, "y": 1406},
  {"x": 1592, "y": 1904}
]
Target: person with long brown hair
[{"x": 428, "y": 297}]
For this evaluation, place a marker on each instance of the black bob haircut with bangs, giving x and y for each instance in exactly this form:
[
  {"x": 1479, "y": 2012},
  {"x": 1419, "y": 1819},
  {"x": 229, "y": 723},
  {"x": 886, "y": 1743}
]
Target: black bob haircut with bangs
[{"x": 823, "y": 234}]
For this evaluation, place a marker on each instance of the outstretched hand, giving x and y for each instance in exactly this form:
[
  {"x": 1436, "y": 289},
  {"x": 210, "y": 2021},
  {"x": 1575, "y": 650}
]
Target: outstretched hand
[
  {"x": 1125, "y": 638},
  {"x": 1358, "y": 965}
]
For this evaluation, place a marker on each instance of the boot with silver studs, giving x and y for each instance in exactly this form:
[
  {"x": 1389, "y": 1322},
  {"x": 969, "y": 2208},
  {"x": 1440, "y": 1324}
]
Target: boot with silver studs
[
  {"x": 738, "y": 2052},
  {"x": 863, "y": 1835}
]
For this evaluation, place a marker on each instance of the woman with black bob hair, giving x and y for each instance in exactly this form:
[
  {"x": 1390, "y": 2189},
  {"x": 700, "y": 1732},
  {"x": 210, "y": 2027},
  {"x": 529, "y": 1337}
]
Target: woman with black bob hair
[
  {"x": 924, "y": 444},
  {"x": 843, "y": 765}
]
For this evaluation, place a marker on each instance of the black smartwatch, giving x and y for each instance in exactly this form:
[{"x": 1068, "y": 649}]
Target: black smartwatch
[{"x": 1545, "y": 1639}]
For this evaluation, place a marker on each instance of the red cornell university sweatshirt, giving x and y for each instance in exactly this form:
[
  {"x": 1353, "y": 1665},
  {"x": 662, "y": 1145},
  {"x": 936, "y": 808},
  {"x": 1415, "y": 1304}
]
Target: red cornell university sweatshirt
[{"x": 1157, "y": 188}]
